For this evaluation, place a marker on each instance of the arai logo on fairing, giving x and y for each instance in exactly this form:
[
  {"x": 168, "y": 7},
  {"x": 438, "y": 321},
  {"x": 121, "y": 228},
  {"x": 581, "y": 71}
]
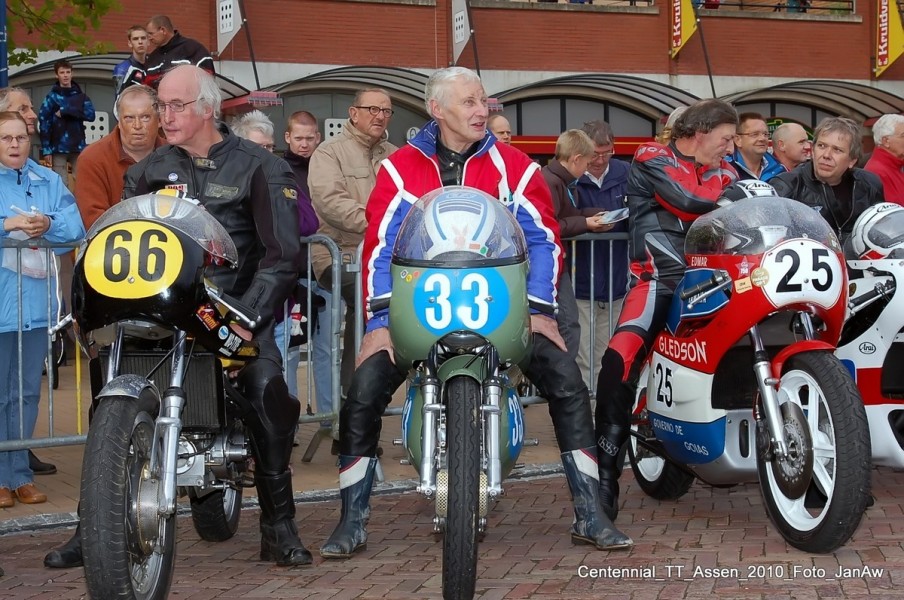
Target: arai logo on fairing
[{"x": 867, "y": 348}]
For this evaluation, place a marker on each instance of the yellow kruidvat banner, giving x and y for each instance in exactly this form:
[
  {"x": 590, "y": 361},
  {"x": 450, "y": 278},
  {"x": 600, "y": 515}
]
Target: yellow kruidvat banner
[
  {"x": 889, "y": 35},
  {"x": 684, "y": 25}
]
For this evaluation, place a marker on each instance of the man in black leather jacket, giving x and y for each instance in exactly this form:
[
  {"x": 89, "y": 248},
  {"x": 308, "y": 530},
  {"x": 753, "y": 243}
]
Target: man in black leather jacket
[
  {"x": 252, "y": 193},
  {"x": 830, "y": 183}
]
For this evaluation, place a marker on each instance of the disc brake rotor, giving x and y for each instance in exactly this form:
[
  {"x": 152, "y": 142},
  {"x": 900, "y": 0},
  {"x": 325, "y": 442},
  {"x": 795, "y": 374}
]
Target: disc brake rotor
[{"x": 794, "y": 472}]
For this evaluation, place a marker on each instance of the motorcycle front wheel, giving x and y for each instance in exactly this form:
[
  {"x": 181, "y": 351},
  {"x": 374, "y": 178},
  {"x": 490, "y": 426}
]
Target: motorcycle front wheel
[
  {"x": 129, "y": 550},
  {"x": 463, "y": 505},
  {"x": 817, "y": 504}
]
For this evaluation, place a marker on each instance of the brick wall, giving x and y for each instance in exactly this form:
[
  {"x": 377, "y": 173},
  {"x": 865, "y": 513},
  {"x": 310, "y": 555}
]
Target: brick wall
[{"x": 530, "y": 36}]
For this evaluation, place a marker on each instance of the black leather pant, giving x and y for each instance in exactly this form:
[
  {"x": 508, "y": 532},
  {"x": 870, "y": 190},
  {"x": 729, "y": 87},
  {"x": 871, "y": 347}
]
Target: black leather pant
[
  {"x": 555, "y": 374},
  {"x": 274, "y": 416}
]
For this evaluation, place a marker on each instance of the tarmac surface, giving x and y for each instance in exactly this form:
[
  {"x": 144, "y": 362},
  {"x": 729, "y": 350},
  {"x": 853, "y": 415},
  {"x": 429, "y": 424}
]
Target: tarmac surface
[{"x": 713, "y": 542}]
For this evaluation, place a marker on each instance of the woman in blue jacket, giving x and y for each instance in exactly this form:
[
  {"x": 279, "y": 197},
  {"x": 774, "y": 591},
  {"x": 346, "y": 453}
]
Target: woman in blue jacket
[{"x": 33, "y": 203}]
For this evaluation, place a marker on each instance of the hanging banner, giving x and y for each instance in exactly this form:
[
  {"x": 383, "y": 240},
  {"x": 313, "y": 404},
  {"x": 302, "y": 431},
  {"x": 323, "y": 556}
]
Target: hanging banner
[
  {"x": 889, "y": 35},
  {"x": 229, "y": 21},
  {"x": 461, "y": 28},
  {"x": 684, "y": 25}
]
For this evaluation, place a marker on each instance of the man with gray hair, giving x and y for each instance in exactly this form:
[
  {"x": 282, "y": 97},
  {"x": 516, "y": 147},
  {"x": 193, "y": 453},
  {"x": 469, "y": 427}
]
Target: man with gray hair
[
  {"x": 790, "y": 145},
  {"x": 253, "y": 194},
  {"x": 341, "y": 176},
  {"x": 887, "y": 160},
  {"x": 830, "y": 183},
  {"x": 17, "y": 100},
  {"x": 454, "y": 148}
]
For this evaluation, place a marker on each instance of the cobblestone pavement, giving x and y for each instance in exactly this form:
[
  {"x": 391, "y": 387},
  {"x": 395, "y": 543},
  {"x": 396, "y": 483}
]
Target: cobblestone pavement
[{"x": 713, "y": 543}]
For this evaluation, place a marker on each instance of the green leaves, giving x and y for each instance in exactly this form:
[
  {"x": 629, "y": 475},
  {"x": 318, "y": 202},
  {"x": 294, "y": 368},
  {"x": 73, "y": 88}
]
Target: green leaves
[{"x": 55, "y": 25}]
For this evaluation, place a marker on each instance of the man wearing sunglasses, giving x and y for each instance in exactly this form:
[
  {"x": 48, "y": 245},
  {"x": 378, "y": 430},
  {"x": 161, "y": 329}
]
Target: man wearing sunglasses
[{"x": 342, "y": 173}]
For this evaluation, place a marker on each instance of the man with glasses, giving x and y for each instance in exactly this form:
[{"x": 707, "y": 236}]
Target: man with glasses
[
  {"x": 601, "y": 187},
  {"x": 104, "y": 162},
  {"x": 253, "y": 194},
  {"x": 342, "y": 173},
  {"x": 751, "y": 158}
]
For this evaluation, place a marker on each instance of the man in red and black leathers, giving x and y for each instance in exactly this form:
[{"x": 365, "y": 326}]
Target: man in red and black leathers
[
  {"x": 455, "y": 149},
  {"x": 668, "y": 187}
]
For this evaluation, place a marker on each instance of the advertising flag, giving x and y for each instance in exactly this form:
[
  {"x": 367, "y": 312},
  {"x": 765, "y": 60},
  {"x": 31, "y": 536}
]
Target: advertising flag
[
  {"x": 684, "y": 25},
  {"x": 461, "y": 28},
  {"x": 889, "y": 35},
  {"x": 229, "y": 21}
]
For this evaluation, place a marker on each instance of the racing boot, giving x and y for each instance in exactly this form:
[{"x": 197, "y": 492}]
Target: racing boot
[
  {"x": 67, "y": 556},
  {"x": 591, "y": 525},
  {"x": 279, "y": 534},
  {"x": 610, "y": 441},
  {"x": 356, "y": 479}
]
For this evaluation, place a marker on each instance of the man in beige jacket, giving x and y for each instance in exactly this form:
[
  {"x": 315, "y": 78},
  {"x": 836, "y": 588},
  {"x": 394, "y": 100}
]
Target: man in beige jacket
[{"x": 342, "y": 173}]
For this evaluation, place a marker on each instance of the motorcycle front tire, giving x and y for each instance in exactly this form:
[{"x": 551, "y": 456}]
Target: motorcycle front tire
[
  {"x": 828, "y": 513},
  {"x": 460, "y": 540},
  {"x": 118, "y": 563}
]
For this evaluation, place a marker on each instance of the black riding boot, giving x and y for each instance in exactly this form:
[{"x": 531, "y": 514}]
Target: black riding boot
[
  {"x": 591, "y": 526},
  {"x": 356, "y": 479},
  {"x": 67, "y": 556},
  {"x": 279, "y": 534},
  {"x": 609, "y": 443}
]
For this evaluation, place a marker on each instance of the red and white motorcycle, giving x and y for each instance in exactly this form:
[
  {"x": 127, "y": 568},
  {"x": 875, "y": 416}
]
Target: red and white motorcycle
[{"x": 872, "y": 341}]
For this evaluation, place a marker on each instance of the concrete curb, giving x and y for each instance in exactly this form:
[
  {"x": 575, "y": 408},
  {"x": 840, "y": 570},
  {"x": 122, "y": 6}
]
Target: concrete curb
[{"x": 52, "y": 521}]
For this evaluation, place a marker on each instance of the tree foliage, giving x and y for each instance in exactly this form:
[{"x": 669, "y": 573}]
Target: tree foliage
[{"x": 54, "y": 25}]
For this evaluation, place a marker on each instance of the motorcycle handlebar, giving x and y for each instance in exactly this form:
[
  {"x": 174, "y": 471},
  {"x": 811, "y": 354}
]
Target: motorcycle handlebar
[
  {"x": 715, "y": 281},
  {"x": 878, "y": 290}
]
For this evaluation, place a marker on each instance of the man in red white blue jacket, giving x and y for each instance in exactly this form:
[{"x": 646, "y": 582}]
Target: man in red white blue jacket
[{"x": 455, "y": 149}]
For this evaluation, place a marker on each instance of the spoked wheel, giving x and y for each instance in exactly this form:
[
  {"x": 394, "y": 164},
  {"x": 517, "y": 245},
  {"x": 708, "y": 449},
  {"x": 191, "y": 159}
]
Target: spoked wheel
[
  {"x": 216, "y": 514},
  {"x": 816, "y": 497},
  {"x": 129, "y": 549},
  {"x": 656, "y": 476},
  {"x": 463, "y": 504}
]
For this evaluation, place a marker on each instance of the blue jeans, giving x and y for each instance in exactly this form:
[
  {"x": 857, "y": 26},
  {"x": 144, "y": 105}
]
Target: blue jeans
[
  {"x": 320, "y": 342},
  {"x": 14, "y": 469}
]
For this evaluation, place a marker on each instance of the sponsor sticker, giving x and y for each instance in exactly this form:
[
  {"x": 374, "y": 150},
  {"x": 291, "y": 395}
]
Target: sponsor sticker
[
  {"x": 207, "y": 315},
  {"x": 172, "y": 177},
  {"x": 743, "y": 285},
  {"x": 759, "y": 277}
]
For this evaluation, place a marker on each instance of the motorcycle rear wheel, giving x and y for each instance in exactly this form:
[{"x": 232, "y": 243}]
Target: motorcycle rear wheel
[
  {"x": 119, "y": 561},
  {"x": 463, "y": 505},
  {"x": 657, "y": 477},
  {"x": 826, "y": 515},
  {"x": 216, "y": 514}
]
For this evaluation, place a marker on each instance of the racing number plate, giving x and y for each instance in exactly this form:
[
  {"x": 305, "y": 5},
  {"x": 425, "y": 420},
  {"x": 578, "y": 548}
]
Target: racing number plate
[
  {"x": 454, "y": 299},
  {"x": 802, "y": 270},
  {"x": 132, "y": 260}
]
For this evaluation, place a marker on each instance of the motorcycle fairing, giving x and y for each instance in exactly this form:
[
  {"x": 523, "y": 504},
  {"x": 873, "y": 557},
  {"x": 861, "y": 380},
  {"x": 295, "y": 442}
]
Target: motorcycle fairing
[
  {"x": 683, "y": 309},
  {"x": 690, "y": 443}
]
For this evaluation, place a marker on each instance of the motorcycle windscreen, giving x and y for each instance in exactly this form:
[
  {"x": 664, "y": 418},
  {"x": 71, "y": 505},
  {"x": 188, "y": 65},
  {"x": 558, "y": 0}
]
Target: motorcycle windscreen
[
  {"x": 179, "y": 214},
  {"x": 459, "y": 226},
  {"x": 754, "y": 225}
]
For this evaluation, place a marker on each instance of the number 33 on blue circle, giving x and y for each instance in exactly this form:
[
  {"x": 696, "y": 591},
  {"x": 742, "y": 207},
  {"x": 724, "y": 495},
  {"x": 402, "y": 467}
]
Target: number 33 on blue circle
[{"x": 452, "y": 299}]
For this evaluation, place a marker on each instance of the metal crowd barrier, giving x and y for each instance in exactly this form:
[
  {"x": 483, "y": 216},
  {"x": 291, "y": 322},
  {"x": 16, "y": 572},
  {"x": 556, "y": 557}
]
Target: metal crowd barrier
[
  {"x": 53, "y": 289},
  {"x": 336, "y": 320}
]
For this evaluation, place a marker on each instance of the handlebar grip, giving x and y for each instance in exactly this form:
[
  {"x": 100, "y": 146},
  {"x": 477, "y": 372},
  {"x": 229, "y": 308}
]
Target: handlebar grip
[
  {"x": 878, "y": 290},
  {"x": 716, "y": 280},
  {"x": 542, "y": 307},
  {"x": 245, "y": 313},
  {"x": 379, "y": 303}
]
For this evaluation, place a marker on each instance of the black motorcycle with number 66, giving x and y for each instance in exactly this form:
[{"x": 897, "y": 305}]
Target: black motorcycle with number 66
[{"x": 166, "y": 420}]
